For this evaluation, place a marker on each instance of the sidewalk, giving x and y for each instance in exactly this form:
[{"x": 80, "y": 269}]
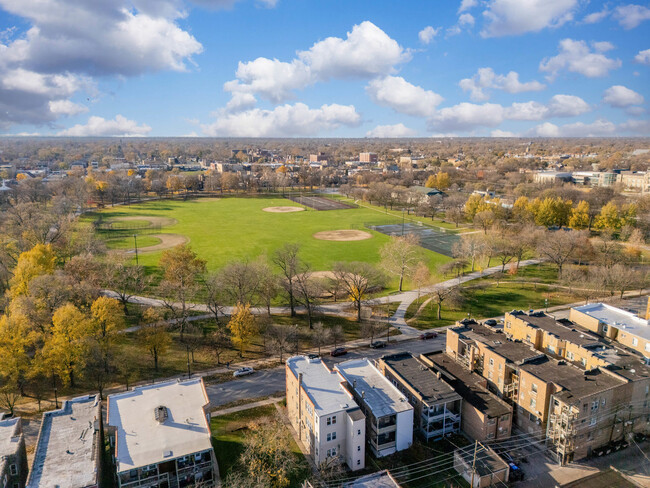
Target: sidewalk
[{"x": 246, "y": 406}]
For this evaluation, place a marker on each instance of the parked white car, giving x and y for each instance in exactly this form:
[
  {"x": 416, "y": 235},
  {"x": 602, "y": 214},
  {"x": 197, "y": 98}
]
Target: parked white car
[{"x": 243, "y": 372}]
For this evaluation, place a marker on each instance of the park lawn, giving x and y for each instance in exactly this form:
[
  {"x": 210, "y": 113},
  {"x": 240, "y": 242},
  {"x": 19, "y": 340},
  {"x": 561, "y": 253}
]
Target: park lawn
[
  {"x": 229, "y": 229},
  {"x": 228, "y": 434},
  {"x": 487, "y": 301},
  {"x": 127, "y": 243},
  {"x": 446, "y": 226}
]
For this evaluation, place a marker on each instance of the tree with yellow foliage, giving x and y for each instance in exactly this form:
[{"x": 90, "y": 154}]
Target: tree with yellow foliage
[
  {"x": 153, "y": 335},
  {"x": 243, "y": 326},
  {"x": 65, "y": 351},
  {"x": 39, "y": 260},
  {"x": 580, "y": 216},
  {"x": 106, "y": 321}
]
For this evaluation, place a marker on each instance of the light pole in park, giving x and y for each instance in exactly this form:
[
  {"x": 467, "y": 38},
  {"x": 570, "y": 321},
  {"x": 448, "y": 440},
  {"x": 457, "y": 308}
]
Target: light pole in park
[{"x": 135, "y": 241}]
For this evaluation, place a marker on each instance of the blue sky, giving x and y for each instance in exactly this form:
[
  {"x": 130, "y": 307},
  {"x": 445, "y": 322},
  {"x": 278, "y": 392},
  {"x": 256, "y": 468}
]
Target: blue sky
[{"x": 297, "y": 68}]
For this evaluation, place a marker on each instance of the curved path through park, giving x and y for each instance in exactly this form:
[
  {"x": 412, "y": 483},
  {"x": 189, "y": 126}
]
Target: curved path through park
[{"x": 342, "y": 309}]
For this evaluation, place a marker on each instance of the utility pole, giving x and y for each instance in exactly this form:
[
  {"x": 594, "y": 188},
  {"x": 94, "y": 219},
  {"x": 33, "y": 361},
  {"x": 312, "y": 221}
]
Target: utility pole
[
  {"x": 403, "y": 222},
  {"x": 189, "y": 373},
  {"x": 474, "y": 463},
  {"x": 135, "y": 240}
]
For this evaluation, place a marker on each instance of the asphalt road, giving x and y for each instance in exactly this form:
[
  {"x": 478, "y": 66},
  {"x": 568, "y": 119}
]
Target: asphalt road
[{"x": 270, "y": 381}]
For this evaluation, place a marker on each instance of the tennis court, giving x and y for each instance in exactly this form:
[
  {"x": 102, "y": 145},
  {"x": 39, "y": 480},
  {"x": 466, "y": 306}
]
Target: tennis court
[
  {"x": 433, "y": 239},
  {"x": 320, "y": 203}
]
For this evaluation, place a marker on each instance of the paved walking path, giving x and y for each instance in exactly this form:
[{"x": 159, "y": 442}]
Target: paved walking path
[{"x": 246, "y": 406}]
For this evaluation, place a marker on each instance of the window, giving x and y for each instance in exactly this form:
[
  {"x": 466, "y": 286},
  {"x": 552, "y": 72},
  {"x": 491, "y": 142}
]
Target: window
[
  {"x": 532, "y": 417},
  {"x": 358, "y": 448},
  {"x": 647, "y": 346},
  {"x": 592, "y": 421},
  {"x": 13, "y": 469},
  {"x": 490, "y": 435},
  {"x": 329, "y": 453},
  {"x": 333, "y": 435},
  {"x": 584, "y": 407},
  {"x": 551, "y": 349},
  {"x": 635, "y": 341},
  {"x": 533, "y": 403},
  {"x": 491, "y": 421},
  {"x": 334, "y": 451},
  {"x": 329, "y": 420},
  {"x": 491, "y": 362},
  {"x": 583, "y": 361},
  {"x": 569, "y": 355},
  {"x": 334, "y": 419},
  {"x": 490, "y": 375},
  {"x": 358, "y": 431},
  {"x": 533, "y": 388},
  {"x": 528, "y": 337},
  {"x": 594, "y": 405},
  {"x": 602, "y": 402},
  {"x": 505, "y": 417},
  {"x": 329, "y": 437},
  {"x": 500, "y": 366},
  {"x": 358, "y": 462},
  {"x": 605, "y": 328}
]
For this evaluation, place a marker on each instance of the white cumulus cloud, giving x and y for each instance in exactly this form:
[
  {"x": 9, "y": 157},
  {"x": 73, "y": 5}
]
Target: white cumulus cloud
[
  {"x": 466, "y": 5},
  {"x": 403, "y": 97},
  {"x": 577, "y": 57},
  {"x": 630, "y": 16},
  {"x": 427, "y": 34},
  {"x": 367, "y": 52},
  {"x": 502, "y": 133},
  {"x": 66, "y": 107},
  {"x": 283, "y": 121},
  {"x": 66, "y": 42},
  {"x": 486, "y": 79},
  {"x": 599, "y": 128},
  {"x": 120, "y": 126},
  {"x": 466, "y": 116},
  {"x": 621, "y": 97},
  {"x": 387, "y": 131},
  {"x": 643, "y": 57},
  {"x": 513, "y": 17}
]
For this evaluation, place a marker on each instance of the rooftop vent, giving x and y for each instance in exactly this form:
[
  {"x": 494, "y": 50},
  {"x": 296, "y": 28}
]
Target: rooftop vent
[{"x": 161, "y": 413}]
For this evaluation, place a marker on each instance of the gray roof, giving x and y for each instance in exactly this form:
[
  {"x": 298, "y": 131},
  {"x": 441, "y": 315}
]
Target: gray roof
[
  {"x": 563, "y": 328},
  {"x": 323, "y": 387},
  {"x": 468, "y": 385},
  {"x": 487, "y": 461},
  {"x": 65, "y": 454},
  {"x": 575, "y": 382},
  {"x": 379, "y": 394},
  {"x": 382, "y": 479},
  {"x": 10, "y": 435},
  {"x": 432, "y": 389}
]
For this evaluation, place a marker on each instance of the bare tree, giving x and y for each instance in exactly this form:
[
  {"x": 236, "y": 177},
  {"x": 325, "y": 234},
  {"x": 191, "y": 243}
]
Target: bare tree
[
  {"x": 560, "y": 246},
  {"x": 442, "y": 294},
  {"x": 126, "y": 280},
  {"x": 214, "y": 298},
  {"x": 218, "y": 342},
  {"x": 268, "y": 286},
  {"x": 421, "y": 277},
  {"x": 470, "y": 247},
  {"x": 319, "y": 335},
  {"x": 370, "y": 329},
  {"x": 288, "y": 260},
  {"x": 358, "y": 279},
  {"x": 281, "y": 339},
  {"x": 239, "y": 281},
  {"x": 308, "y": 290},
  {"x": 400, "y": 255},
  {"x": 336, "y": 335}
]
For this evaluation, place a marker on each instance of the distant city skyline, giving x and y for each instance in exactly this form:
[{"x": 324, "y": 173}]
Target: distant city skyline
[{"x": 288, "y": 68}]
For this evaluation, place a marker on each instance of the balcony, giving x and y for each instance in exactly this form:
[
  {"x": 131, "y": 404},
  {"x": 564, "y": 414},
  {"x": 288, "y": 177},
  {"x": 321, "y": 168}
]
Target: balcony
[{"x": 151, "y": 482}]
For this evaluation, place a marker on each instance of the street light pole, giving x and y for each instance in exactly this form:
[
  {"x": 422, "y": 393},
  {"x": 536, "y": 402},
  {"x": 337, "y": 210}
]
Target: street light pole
[
  {"x": 189, "y": 373},
  {"x": 135, "y": 240},
  {"x": 403, "y": 222}
]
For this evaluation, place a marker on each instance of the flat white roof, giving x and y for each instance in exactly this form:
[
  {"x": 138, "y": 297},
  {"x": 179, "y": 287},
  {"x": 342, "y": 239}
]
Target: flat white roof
[
  {"x": 379, "y": 394},
  {"x": 142, "y": 440},
  {"x": 65, "y": 450},
  {"x": 616, "y": 317},
  {"x": 324, "y": 387},
  {"x": 9, "y": 431}
]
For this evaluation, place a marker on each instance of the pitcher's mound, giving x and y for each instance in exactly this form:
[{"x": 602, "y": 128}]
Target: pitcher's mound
[
  {"x": 342, "y": 235},
  {"x": 283, "y": 209}
]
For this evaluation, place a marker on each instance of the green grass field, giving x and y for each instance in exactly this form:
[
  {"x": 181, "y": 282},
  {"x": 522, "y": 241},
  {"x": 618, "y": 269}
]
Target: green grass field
[{"x": 224, "y": 230}]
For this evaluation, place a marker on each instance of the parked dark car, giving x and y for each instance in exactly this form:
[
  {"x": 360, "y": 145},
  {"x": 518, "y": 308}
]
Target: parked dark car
[
  {"x": 377, "y": 344},
  {"x": 428, "y": 335},
  {"x": 339, "y": 351},
  {"x": 490, "y": 323},
  {"x": 313, "y": 356}
]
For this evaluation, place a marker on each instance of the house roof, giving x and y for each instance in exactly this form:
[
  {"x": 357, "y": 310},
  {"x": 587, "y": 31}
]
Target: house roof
[
  {"x": 147, "y": 434},
  {"x": 65, "y": 453},
  {"x": 379, "y": 394}
]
